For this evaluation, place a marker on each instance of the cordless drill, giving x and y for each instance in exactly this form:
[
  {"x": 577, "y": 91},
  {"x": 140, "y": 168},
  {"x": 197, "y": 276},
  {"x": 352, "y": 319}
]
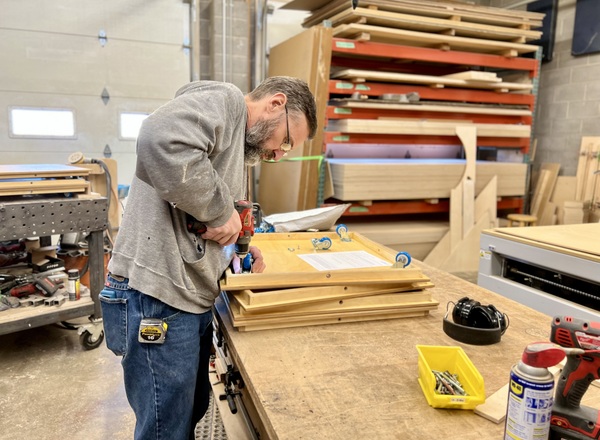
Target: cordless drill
[
  {"x": 246, "y": 210},
  {"x": 570, "y": 420}
]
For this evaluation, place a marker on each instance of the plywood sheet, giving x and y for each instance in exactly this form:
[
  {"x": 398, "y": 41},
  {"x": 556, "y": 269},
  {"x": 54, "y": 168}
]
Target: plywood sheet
[
  {"x": 425, "y": 39},
  {"x": 399, "y": 179},
  {"x": 459, "y": 11},
  {"x": 421, "y": 23},
  {"x": 580, "y": 240},
  {"x": 431, "y": 80},
  {"x": 22, "y": 171},
  {"x": 431, "y": 107},
  {"x": 382, "y": 126}
]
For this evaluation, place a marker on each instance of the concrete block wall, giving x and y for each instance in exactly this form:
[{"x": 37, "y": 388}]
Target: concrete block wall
[
  {"x": 225, "y": 27},
  {"x": 568, "y": 105}
]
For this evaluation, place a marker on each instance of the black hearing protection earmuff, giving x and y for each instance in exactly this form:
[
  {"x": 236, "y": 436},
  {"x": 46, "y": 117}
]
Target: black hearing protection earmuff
[{"x": 474, "y": 323}]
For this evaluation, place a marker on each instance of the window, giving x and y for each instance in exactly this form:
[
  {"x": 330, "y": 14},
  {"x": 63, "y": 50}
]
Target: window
[
  {"x": 130, "y": 124},
  {"x": 42, "y": 122}
]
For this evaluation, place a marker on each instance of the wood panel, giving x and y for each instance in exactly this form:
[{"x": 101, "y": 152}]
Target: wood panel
[
  {"x": 424, "y": 39},
  {"x": 397, "y": 179},
  {"x": 416, "y": 22},
  {"x": 580, "y": 240},
  {"x": 359, "y": 75},
  {"x": 432, "y": 128},
  {"x": 459, "y": 11}
]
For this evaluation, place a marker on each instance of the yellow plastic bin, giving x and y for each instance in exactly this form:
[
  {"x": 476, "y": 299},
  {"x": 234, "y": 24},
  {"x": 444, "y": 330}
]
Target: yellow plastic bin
[{"x": 456, "y": 361}]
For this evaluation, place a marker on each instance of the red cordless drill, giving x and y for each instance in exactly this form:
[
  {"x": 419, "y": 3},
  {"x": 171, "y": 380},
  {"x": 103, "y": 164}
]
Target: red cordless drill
[
  {"x": 570, "y": 420},
  {"x": 246, "y": 210}
]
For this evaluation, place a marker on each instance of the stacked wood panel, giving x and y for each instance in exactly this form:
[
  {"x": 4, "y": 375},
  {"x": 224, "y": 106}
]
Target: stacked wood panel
[{"x": 292, "y": 293}]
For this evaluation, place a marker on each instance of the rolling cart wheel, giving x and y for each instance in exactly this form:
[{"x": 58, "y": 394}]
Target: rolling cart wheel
[{"x": 89, "y": 341}]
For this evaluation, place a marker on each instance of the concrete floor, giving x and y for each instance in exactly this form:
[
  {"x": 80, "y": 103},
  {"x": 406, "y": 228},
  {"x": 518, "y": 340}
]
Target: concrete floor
[{"x": 50, "y": 388}]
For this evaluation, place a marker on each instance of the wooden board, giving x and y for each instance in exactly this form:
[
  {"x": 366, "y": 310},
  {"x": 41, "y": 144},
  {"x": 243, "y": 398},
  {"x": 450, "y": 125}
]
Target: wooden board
[
  {"x": 438, "y": 107},
  {"x": 416, "y": 22},
  {"x": 564, "y": 190},
  {"x": 321, "y": 9},
  {"x": 262, "y": 323},
  {"x": 409, "y": 179},
  {"x": 274, "y": 299},
  {"x": 416, "y": 127},
  {"x": 384, "y": 301},
  {"x": 424, "y": 39},
  {"x": 285, "y": 269},
  {"x": 543, "y": 191},
  {"x": 14, "y": 187},
  {"x": 588, "y": 182},
  {"x": 360, "y": 75},
  {"x": 494, "y": 408},
  {"x": 578, "y": 240},
  {"x": 36, "y": 171}
]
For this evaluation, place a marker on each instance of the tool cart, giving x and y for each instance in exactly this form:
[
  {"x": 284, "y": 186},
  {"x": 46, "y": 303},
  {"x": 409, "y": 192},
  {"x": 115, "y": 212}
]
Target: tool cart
[{"x": 47, "y": 215}]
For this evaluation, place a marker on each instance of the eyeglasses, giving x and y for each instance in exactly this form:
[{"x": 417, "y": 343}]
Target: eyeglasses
[{"x": 286, "y": 146}]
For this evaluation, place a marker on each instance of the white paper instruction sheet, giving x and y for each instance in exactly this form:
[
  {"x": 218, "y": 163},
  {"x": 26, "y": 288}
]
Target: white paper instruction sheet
[{"x": 343, "y": 260}]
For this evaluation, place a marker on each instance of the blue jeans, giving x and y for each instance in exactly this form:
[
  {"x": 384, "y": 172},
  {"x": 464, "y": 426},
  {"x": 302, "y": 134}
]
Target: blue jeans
[{"x": 167, "y": 385}]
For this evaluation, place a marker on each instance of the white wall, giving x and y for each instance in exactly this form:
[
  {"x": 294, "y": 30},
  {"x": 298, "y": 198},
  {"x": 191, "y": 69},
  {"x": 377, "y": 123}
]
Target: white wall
[{"x": 52, "y": 57}]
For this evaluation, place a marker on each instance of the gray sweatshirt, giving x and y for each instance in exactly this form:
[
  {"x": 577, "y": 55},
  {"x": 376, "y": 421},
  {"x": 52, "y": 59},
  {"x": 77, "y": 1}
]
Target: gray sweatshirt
[{"x": 190, "y": 158}]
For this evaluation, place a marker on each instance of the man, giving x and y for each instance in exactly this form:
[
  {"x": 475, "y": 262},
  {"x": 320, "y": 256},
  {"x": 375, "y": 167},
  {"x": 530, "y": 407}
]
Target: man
[{"x": 191, "y": 157}]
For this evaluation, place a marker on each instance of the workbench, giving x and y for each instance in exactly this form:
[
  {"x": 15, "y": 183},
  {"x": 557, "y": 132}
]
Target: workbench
[
  {"x": 40, "y": 216},
  {"x": 359, "y": 380}
]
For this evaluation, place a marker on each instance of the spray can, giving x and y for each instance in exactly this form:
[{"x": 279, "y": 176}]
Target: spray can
[
  {"x": 73, "y": 285},
  {"x": 531, "y": 393}
]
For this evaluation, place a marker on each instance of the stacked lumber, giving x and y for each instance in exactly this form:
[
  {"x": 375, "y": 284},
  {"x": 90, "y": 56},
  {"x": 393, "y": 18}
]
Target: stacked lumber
[
  {"x": 362, "y": 284},
  {"x": 398, "y": 179},
  {"x": 16, "y": 180},
  {"x": 450, "y": 25}
]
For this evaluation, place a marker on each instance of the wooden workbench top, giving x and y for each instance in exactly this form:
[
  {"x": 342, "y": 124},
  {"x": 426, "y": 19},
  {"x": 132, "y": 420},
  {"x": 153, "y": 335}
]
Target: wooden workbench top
[{"x": 359, "y": 380}]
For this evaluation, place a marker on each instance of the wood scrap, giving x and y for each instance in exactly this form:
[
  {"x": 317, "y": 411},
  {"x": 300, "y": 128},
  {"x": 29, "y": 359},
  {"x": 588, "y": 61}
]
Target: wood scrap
[{"x": 494, "y": 408}]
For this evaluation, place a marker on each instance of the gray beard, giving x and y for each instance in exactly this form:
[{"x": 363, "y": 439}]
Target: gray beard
[{"x": 256, "y": 137}]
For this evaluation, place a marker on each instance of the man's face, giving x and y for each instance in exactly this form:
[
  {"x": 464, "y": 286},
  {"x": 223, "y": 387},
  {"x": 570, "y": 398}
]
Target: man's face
[{"x": 257, "y": 138}]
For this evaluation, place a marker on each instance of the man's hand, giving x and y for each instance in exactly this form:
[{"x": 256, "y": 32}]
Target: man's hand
[
  {"x": 226, "y": 234},
  {"x": 258, "y": 263}
]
